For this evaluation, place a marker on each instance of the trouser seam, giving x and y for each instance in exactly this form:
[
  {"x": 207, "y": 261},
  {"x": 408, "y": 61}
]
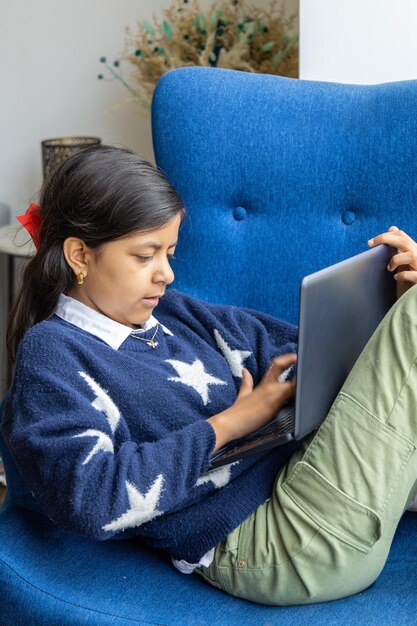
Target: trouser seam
[
  {"x": 401, "y": 389},
  {"x": 400, "y": 435},
  {"x": 400, "y": 472},
  {"x": 406, "y": 442},
  {"x": 324, "y": 426},
  {"x": 345, "y": 501},
  {"x": 225, "y": 582},
  {"x": 243, "y": 543},
  {"x": 339, "y": 494},
  {"x": 347, "y": 395},
  {"x": 225, "y": 568}
]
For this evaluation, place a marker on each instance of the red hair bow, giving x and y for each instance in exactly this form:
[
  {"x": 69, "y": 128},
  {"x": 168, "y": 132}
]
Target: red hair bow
[{"x": 31, "y": 220}]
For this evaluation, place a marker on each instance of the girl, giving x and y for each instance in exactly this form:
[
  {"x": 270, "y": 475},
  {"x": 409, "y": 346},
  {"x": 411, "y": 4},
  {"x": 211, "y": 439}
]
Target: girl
[{"x": 114, "y": 414}]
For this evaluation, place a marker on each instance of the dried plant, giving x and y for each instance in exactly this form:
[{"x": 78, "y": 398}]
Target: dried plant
[{"x": 236, "y": 34}]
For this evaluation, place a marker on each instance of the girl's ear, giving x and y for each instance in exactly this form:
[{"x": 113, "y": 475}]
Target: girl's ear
[{"x": 76, "y": 255}]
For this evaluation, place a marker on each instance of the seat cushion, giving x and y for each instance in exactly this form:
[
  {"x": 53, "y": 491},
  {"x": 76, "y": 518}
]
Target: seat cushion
[{"x": 50, "y": 577}]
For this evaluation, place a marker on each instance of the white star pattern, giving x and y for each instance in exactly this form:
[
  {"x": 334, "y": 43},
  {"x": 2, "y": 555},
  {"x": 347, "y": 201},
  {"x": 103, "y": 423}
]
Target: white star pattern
[
  {"x": 142, "y": 508},
  {"x": 103, "y": 402},
  {"x": 234, "y": 358},
  {"x": 219, "y": 477},
  {"x": 103, "y": 443},
  {"x": 194, "y": 376}
]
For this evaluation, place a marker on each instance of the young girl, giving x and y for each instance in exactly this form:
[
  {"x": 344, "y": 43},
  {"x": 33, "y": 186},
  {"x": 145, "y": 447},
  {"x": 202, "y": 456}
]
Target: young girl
[{"x": 114, "y": 414}]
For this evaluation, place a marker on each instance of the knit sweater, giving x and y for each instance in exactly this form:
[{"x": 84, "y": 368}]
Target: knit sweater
[{"x": 113, "y": 440}]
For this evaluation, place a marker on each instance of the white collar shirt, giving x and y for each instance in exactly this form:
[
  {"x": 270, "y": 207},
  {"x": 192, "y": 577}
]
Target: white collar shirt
[{"x": 111, "y": 332}]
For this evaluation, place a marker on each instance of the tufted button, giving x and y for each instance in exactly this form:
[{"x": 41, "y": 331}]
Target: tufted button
[
  {"x": 348, "y": 217},
  {"x": 239, "y": 213}
]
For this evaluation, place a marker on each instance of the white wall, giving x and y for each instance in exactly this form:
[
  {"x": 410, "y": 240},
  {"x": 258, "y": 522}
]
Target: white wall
[
  {"x": 358, "y": 41},
  {"x": 49, "y": 56},
  {"x": 49, "y": 61}
]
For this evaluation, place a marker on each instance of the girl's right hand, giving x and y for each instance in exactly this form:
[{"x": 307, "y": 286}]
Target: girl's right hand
[
  {"x": 253, "y": 408},
  {"x": 404, "y": 263}
]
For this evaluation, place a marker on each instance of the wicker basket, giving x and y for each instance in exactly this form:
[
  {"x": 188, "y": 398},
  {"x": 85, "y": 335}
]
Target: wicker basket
[{"x": 55, "y": 151}]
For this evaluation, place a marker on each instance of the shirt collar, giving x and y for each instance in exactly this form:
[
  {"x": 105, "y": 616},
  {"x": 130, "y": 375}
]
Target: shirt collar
[{"x": 111, "y": 332}]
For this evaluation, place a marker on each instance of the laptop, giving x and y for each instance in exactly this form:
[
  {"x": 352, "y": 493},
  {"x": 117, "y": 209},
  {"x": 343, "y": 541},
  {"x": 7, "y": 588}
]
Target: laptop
[{"x": 340, "y": 307}]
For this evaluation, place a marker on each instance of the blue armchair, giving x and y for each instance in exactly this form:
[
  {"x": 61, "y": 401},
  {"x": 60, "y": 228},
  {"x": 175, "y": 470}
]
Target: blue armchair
[{"x": 280, "y": 177}]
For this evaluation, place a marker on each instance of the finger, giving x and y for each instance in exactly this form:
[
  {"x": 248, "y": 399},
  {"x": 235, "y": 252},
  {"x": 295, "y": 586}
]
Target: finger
[
  {"x": 388, "y": 238},
  {"x": 376, "y": 241},
  {"x": 284, "y": 361},
  {"x": 408, "y": 276},
  {"x": 247, "y": 378},
  {"x": 281, "y": 363},
  {"x": 287, "y": 389},
  {"x": 283, "y": 377},
  {"x": 292, "y": 384},
  {"x": 246, "y": 386},
  {"x": 403, "y": 258},
  {"x": 396, "y": 239},
  {"x": 393, "y": 228},
  {"x": 289, "y": 384}
]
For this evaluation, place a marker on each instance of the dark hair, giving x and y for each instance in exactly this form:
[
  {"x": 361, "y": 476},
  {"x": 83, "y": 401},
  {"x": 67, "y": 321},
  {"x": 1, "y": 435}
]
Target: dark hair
[{"x": 99, "y": 195}]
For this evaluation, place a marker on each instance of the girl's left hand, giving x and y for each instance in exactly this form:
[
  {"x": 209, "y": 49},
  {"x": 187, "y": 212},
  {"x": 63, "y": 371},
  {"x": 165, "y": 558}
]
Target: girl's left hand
[{"x": 404, "y": 263}]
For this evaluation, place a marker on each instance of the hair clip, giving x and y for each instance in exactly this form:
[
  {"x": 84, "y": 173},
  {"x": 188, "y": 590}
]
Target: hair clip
[{"x": 31, "y": 220}]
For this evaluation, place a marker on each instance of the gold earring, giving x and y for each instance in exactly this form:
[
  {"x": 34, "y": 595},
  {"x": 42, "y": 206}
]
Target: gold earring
[{"x": 80, "y": 278}]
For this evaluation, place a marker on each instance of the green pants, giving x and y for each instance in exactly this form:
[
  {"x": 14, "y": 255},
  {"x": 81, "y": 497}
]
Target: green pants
[{"x": 326, "y": 531}]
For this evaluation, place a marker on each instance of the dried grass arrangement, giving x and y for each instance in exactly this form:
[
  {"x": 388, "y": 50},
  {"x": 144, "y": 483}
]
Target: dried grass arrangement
[{"x": 236, "y": 34}]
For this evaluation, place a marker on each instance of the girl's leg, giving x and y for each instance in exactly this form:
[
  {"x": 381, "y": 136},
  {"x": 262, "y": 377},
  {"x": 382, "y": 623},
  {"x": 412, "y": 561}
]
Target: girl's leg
[{"x": 327, "y": 529}]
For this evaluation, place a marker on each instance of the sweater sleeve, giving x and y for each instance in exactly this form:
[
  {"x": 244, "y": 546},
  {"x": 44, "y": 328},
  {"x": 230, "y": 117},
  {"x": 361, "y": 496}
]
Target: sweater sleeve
[{"x": 73, "y": 448}]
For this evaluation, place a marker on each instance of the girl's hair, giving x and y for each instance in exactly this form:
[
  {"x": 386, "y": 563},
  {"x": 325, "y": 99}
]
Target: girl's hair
[{"x": 99, "y": 195}]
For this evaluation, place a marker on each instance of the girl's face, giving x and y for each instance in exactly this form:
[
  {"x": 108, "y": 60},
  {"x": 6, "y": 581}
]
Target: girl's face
[{"x": 126, "y": 278}]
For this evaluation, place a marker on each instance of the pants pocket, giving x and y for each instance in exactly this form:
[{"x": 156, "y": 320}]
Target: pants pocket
[
  {"x": 361, "y": 456},
  {"x": 331, "y": 509}
]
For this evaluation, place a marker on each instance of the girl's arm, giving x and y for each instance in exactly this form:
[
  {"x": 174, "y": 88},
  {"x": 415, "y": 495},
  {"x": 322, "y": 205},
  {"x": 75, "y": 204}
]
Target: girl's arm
[
  {"x": 249, "y": 341},
  {"x": 74, "y": 450},
  {"x": 254, "y": 408}
]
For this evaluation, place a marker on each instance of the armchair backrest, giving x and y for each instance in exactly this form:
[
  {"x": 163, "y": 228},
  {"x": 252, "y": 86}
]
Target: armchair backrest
[
  {"x": 17, "y": 491},
  {"x": 281, "y": 177}
]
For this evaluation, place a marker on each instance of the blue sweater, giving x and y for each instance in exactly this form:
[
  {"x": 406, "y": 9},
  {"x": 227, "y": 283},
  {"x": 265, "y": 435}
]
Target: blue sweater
[{"x": 112, "y": 443}]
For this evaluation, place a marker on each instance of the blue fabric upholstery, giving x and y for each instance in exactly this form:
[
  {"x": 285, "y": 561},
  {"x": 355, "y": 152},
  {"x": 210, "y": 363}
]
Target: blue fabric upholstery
[
  {"x": 280, "y": 177},
  {"x": 49, "y": 578}
]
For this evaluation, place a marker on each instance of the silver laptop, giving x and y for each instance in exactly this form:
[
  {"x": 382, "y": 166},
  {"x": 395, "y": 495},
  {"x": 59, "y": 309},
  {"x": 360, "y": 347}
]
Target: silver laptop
[{"x": 340, "y": 307}]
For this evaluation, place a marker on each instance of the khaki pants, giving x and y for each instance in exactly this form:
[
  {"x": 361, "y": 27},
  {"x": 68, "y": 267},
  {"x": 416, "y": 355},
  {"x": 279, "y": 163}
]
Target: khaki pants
[{"x": 326, "y": 531}]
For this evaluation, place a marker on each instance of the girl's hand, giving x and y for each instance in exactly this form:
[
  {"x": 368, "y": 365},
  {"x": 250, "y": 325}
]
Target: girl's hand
[
  {"x": 254, "y": 407},
  {"x": 404, "y": 263}
]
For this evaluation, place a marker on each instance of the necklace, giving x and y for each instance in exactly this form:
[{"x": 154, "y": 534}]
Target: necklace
[{"x": 149, "y": 342}]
